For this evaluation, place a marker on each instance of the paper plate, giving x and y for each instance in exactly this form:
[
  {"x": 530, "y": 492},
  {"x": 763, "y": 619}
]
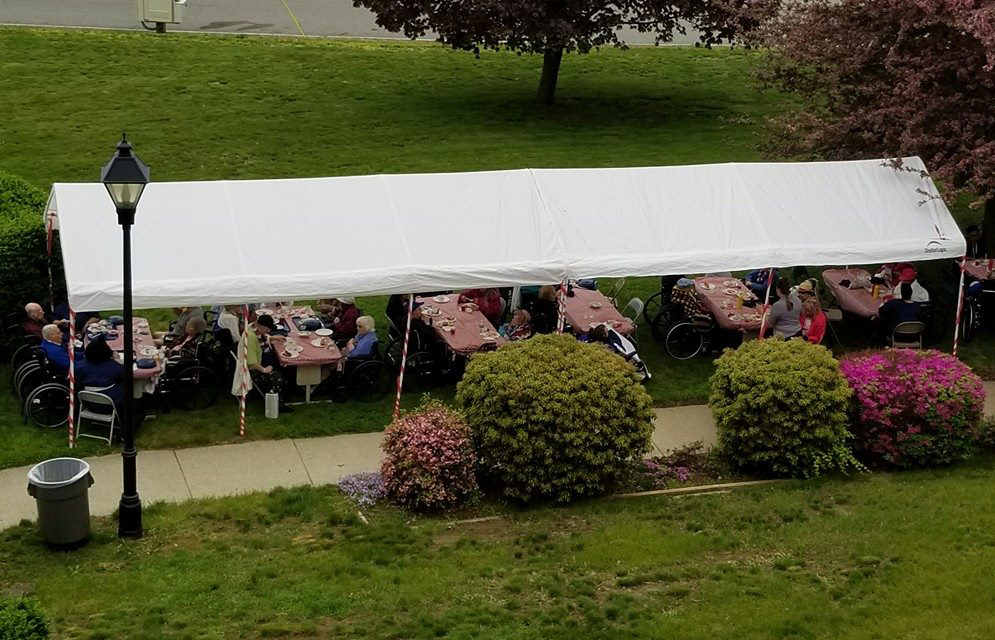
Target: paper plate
[
  {"x": 441, "y": 299},
  {"x": 595, "y": 305},
  {"x": 322, "y": 332},
  {"x": 731, "y": 292},
  {"x": 292, "y": 354},
  {"x": 148, "y": 351},
  {"x": 318, "y": 342},
  {"x": 264, "y": 312},
  {"x": 707, "y": 286}
]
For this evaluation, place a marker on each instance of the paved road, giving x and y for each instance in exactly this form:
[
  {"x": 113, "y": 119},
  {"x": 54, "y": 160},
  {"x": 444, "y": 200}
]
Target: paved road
[{"x": 335, "y": 18}]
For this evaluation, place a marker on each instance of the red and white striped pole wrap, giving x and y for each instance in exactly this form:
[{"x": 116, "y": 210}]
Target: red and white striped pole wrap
[
  {"x": 72, "y": 377},
  {"x": 561, "y": 299},
  {"x": 960, "y": 303},
  {"x": 763, "y": 321},
  {"x": 245, "y": 372},
  {"x": 404, "y": 357}
]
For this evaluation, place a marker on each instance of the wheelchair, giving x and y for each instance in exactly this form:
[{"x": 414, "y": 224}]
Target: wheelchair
[
  {"x": 363, "y": 378},
  {"x": 189, "y": 383},
  {"x": 971, "y": 317},
  {"x": 687, "y": 338},
  {"x": 429, "y": 362},
  {"x": 42, "y": 391}
]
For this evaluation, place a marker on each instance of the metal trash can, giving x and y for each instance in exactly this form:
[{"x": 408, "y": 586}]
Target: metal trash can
[{"x": 60, "y": 487}]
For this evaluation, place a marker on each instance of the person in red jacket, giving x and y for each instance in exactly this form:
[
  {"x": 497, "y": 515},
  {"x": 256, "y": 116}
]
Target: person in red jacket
[
  {"x": 344, "y": 323},
  {"x": 487, "y": 300},
  {"x": 813, "y": 321}
]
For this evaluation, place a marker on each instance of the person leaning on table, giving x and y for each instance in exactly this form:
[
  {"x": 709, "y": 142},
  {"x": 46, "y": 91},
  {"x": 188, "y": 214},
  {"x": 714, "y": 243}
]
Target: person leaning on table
[{"x": 261, "y": 359}]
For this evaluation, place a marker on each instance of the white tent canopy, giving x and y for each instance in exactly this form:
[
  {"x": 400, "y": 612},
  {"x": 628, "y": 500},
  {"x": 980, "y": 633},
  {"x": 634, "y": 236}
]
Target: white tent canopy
[{"x": 229, "y": 242}]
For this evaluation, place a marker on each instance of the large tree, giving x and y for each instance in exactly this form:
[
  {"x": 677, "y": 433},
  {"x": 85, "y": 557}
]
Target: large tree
[
  {"x": 552, "y": 27},
  {"x": 893, "y": 78}
]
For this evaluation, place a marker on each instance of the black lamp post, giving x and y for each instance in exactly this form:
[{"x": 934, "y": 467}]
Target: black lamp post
[{"x": 125, "y": 177}]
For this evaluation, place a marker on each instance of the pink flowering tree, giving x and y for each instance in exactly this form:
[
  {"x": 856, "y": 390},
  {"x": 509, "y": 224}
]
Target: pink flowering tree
[
  {"x": 892, "y": 78},
  {"x": 915, "y": 408},
  {"x": 428, "y": 459},
  {"x": 552, "y": 27}
]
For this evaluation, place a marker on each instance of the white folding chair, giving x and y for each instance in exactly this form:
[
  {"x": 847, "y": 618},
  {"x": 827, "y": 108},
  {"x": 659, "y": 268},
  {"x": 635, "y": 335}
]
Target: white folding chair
[
  {"x": 635, "y": 307},
  {"x": 97, "y": 408},
  {"x": 908, "y": 335}
]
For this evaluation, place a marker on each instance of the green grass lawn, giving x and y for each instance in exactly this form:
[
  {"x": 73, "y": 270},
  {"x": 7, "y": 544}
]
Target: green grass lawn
[
  {"x": 241, "y": 107},
  {"x": 907, "y": 555}
]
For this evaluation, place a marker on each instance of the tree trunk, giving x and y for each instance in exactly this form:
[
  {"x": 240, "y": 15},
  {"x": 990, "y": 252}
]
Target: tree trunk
[
  {"x": 550, "y": 70},
  {"x": 988, "y": 228}
]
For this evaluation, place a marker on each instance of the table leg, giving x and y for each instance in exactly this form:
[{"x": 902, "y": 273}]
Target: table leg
[{"x": 307, "y": 394}]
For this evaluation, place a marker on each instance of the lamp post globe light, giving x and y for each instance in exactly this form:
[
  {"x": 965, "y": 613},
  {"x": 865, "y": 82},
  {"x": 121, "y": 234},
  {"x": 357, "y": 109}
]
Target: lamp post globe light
[{"x": 125, "y": 176}]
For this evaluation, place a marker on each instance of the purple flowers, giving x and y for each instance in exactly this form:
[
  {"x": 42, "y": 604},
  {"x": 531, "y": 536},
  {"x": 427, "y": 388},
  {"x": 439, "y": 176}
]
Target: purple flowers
[
  {"x": 365, "y": 488},
  {"x": 429, "y": 461},
  {"x": 914, "y": 407},
  {"x": 662, "y": 474}
]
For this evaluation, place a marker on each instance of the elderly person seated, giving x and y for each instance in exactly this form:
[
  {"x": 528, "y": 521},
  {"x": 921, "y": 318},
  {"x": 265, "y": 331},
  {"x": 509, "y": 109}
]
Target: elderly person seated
[
  {"x": 519, "y": 327},
  {"x": 178, "y": 330},
  {"x": 685, "y": 298},
  {"x": 488, "y": 301},
  {"x": 344, "y": 321},
  {"x": 545, "y": 310},
  {"x": 604, "y": 334},
  {"x": 186, "y": 346},
  {"x": 901, "y": 309},
  {"x": 56, "y": 353},
  {"x": 364, "y": 344},
  {"x": 908, "y": 276},
  {"x": 36, "y": 319},
  {"x": 227, "y": 330}
]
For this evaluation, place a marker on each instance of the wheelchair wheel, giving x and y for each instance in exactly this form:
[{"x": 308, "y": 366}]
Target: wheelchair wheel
[
  {"x": 21, "y": 355},
  {"x": 195, "y": 388},
  {"x": 684, "y": 341},
  {"x": 967, "y": 320},
  {"x": 652, "y": 306},
  {"x": 47, "y": 406},
  {"x": 15, "y": 377},
  {"x": 31, "y": 377},
  {"x": 422, "y": 372},
  {"x": 661, "y": 322},
  {"x": 395, "y": 348},
  {"x": 370, "y": 381}
]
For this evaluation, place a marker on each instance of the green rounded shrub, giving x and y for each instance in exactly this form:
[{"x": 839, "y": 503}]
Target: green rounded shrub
[
  {"x": 781, "y": 409},
  {"x": 23, "y": 256},
  {"x": 21, "y": 619},
  {"x": 553, "y": 418}
]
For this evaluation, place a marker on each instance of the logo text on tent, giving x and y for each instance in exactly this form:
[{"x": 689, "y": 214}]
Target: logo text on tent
[{"x": 935, "y": 247}]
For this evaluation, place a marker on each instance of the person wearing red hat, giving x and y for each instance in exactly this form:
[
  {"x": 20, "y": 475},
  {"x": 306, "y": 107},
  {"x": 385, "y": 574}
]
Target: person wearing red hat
[{"x": 908, "y": 276}]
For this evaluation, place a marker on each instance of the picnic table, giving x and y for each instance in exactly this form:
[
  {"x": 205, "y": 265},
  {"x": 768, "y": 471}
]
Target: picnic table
[
  {"x": 979, "y": 269},
  {"x": 859, "y": 300},
  {"x": 718, "y": 294},
  {"x": 580, "y": 315},
  {"x": 469, "y": 327},
  {"x": 143, "y": 379},
  {"x": 313, "y": 363}
]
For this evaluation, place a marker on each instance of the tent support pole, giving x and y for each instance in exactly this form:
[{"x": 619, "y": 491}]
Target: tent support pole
[
  {"x": 72, "y": 376},
  {"x": 561, "y": 307},
  {"x": 245, "y": 368},
  {"x": 404, "y": 357},
  {"x": 763, "y": 320},
  {"x": 960, "y": 304}
]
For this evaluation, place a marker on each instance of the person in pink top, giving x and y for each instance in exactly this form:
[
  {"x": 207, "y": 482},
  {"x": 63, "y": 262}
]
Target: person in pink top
[
  {"x": 813, "y": 321},
  {"x": 487, "y": 300}
]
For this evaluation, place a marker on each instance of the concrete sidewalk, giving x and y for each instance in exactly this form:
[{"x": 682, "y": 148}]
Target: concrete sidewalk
[{"x": 202, "y": 472}]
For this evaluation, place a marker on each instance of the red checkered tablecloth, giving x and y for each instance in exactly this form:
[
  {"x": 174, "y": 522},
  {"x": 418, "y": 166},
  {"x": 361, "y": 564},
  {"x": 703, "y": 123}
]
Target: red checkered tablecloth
[
  {"x": 979, "y": 269},
  {"x": 722, "y": 305},
  {"x": 310, "y": 356},
  {"x": 142, "y": 338},
  {"x": 466, "y": 338},
  {"x": 857, "y": 301},
  {"x": 580, "y": 315}
]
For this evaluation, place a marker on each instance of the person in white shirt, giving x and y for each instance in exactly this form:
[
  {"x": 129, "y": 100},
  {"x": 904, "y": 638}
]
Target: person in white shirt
[
  {"x": 228, "y": 322},
  {"x": 919, "y": 293}
]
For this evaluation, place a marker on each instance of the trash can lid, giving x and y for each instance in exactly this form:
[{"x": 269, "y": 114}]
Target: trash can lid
[{"x": 57, "y": 472}]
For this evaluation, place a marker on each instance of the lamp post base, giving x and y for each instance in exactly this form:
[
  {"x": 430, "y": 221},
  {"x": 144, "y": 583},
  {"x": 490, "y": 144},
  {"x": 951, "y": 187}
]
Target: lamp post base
[{"x": 129, "y": 522}]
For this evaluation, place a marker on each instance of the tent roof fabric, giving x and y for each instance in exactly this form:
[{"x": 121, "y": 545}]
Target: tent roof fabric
[{"x": 231, "y": 242}]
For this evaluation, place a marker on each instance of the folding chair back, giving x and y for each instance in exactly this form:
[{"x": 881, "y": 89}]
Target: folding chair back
[
  {"x": 908, "y": 335},
  {"x": 96, "y": 408},
  {"x": 633, "y": 309}
]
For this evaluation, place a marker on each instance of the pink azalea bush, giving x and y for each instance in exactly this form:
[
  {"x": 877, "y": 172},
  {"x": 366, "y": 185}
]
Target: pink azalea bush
[
  {"x": 915, "y": 408},
  {"x": 429, "y": 459}
]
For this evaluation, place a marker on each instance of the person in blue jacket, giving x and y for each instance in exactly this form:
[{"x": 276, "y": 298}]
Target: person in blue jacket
[
  {"x": 99, "y": 370},
  {"x": 756, "y": 280},
  {"x": 56, "y": 353}
]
